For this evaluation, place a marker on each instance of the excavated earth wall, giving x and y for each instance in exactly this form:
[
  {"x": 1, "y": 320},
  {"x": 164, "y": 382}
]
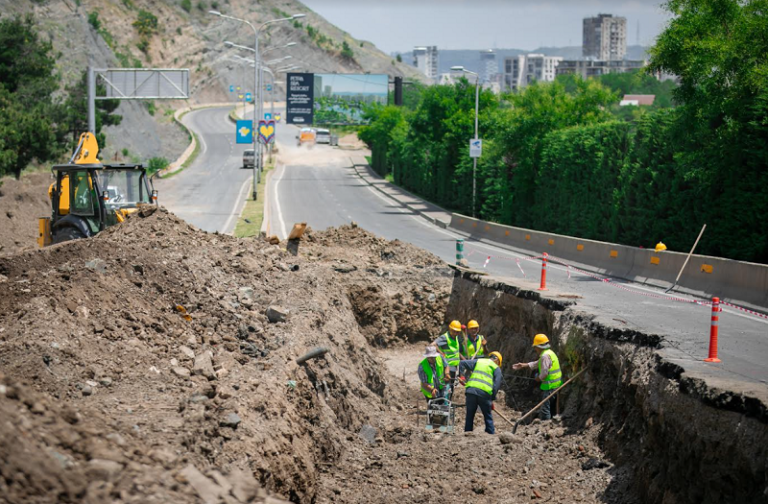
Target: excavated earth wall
[{"x": 660, "y": 426}]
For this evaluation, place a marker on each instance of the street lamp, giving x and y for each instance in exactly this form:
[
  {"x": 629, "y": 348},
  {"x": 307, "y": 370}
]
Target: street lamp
[
  {"x": 477, "y": 105},
  {"x": 256, "y": 88}
]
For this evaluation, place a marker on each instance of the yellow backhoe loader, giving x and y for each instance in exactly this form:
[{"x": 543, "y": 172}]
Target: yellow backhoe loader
[{"x": 89, "y": 196}]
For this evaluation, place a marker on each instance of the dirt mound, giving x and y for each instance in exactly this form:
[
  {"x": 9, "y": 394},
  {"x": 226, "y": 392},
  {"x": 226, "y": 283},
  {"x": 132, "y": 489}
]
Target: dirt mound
[
  {"x": 162, "y": 359},
  {"x": 22, "y": 202}
]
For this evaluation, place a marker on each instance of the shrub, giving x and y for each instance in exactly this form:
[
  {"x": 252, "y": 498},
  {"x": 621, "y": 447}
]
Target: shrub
[
  {"x": 93, "y": 20},
  {"x": 156, "y": 164},
  {"x": 186, "y": 5},
  {"x": 146, "y": 23}
]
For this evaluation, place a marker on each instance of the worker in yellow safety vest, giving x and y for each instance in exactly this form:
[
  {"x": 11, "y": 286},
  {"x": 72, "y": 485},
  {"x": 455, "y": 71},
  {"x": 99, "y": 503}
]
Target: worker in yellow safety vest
[
  {"x": 433, "y": 374},
  {"x": 474, "y": 345},
  {"x": 548, "y": 372},
  {"x": 451, "y": 346},
  {"x": 482, "y": 386}
]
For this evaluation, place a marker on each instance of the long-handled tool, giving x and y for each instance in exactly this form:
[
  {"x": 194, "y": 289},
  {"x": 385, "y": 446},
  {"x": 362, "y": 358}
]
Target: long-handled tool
[
  {"x": 514, "y": 429},
  {"x": 504, "y": 417},
  {"x": 686, "y": 259}
]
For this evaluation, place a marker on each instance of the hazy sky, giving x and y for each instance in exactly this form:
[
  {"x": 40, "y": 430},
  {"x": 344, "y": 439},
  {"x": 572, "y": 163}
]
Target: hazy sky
[{"x": 399, "y": 25}]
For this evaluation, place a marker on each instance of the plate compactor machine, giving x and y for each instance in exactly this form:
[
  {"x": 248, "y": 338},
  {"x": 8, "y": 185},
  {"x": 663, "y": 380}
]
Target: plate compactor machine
[{"x": 88, "y": 196}]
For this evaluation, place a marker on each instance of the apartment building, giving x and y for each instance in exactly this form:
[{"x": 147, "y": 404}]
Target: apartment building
[
  {"x": 522, "y": 70},
  {"x": 605, "y": 38},
  {"x": 489, "y": 68},
  {"x": 425, "y": 59},
  {"x": 593, "y": 68}
]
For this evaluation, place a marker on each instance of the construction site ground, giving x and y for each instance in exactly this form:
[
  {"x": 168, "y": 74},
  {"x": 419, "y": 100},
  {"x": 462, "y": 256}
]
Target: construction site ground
[{"x": 157, "y": 363}]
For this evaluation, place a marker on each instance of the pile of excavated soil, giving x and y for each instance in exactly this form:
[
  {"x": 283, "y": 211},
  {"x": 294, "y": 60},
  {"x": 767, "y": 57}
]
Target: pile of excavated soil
[
  {"x": 157, "y": 363},
  {"x": 22, "y": 202}
]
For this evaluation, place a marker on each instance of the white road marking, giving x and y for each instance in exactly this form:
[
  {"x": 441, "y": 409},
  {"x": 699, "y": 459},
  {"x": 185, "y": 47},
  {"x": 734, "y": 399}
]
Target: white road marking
[
  {"x": 277, "y": 203},
  {"x": 234, "y": 208}
]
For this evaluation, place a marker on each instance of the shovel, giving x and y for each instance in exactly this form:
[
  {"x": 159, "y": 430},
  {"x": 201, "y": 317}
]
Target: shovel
[{"x": 686, "y": 260}]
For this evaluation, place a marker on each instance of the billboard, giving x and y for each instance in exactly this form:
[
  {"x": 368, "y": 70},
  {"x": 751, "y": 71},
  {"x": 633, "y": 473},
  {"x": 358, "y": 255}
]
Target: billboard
[
  {"x": 333, "y": 98},
  {"x": 299, "y": 99}
]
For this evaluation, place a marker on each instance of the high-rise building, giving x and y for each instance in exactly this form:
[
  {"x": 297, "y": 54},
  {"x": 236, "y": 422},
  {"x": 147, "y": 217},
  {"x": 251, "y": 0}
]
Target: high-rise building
[
  {"x": 425, "y": 59},
  {"x": 605, "y": 38},
  {"x": 519, "y": 71},
  {"x": 488, "y": 66}
]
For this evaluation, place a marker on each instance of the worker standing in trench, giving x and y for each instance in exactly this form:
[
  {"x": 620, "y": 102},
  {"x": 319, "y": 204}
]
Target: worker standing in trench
[
  {"x": 451, "y": 346},
  {"x": 549, "y": 373},
  {"x": 433, "y": 375},
  {"x": 482, "y": 386},
  {"x": 475, "y": 342}
]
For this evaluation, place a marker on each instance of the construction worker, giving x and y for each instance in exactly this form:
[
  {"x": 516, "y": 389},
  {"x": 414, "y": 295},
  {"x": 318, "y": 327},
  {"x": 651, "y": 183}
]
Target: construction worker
[
  {"x": 433, "y": 374},
  {"x": 482, "y": 386},
  {"x": 549, "y": 373},
  {"x": 475, "y": 342},
  {"x": 451, "y": 346}
]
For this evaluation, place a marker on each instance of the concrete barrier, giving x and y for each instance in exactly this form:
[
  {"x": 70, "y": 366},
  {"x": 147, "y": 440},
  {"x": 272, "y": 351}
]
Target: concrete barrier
[{"x": 706, "y": 276}]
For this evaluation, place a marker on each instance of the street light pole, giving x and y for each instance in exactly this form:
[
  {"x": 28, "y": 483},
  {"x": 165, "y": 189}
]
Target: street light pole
[
  {"x": 477, "y": 106},
  {"x": 257, "y": 87}
]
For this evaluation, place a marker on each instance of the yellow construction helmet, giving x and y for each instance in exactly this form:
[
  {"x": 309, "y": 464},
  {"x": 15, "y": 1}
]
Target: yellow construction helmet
[
  {"x": 497, "y": 355},
  {"x": 472, "y": 324},
  {"x": 455, "y": 325},
  {"x": 660, "y": 246},
  {"x": 540, "y": 339}
]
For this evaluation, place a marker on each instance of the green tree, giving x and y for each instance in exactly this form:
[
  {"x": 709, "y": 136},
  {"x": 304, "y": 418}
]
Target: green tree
[
  {"x": 72, "y": 119},
  {"x": 346, "y": 51},
  {"x": 93, "y": 20}
]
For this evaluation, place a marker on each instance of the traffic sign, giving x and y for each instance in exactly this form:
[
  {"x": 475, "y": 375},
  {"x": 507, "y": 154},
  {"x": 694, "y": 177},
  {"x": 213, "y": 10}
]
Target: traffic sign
[
  {"x": 269, "y": 87},
  {"x": 475, "y": 148},
  {"x": 267, "y": 116},
  {"x": 244, "y": 132},
  {"x": 231, "y": 88},
  {"x": 247, "y": 97}
]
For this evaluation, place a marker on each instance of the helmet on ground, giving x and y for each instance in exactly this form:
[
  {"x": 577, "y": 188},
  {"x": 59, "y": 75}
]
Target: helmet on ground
[
  {"x": 455, "y": 325},
  {"x": 497, "y": 355},
  {"x": 472, "y": 324},
  {"x": 540, "y": 339}
]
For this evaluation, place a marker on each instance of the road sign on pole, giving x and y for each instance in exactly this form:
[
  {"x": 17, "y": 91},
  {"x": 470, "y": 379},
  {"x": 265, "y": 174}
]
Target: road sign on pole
[
  {"x": 475, "y": 148},
  {"x": 247, "y": 97},
  {"x": 244, "y": 133},
  {"x": 267, "y": 116},
  {"x": 231, "y": 88}
]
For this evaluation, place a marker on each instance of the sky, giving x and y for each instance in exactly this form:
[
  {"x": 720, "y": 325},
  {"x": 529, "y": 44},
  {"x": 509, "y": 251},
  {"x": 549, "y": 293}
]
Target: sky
[{"x": 399, "y": 25}]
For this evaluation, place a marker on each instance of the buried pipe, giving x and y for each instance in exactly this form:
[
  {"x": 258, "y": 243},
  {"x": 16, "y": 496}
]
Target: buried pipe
[{"x": 514, "y": 430}]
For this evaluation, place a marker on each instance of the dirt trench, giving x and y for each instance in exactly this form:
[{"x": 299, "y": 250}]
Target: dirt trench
[{"x": 668, "y": 438}]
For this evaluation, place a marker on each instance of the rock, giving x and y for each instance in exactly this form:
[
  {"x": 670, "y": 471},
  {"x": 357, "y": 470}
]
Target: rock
[
  {"x": 86, "y": 390},
  {"x": 537, "y": 494},
  {"x": 97, "y": 265},
  {"x": 174, "y": 362},
  {"x": 244, "y": 485},
  {"x": 506, "y": 437},
  {"x": 187, "y": 352},
  {"x": 403, "y": 454},
  {"x": 231, "y": 420},
  {"x": 277, "y": 314},
  {"x": 588, "y": 423},
  {"x": 208, "y": 491},
  {"x": 464, "y": 263},
  {"x": 106, "y": 381},
  {"x": 103, "y": 470},
  {"x": 594, "y": 463},
  {"x": 146, "y": 209},
  {"x": 368, "y": 433},
  {"x": 181, "y": 372},
  {"x": 345, "y": 268},
  {"x": 37, "y": 408},
  {"x": 204, "y": 366}
]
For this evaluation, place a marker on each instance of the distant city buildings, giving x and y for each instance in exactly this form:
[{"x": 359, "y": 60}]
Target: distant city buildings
[
  {"x": 488, "y": 66},
  {"x": 425, "y": 59},
  {"x": 594, "y": 68},
  {"x": 522, "y": 70},
  {"x": 605, "y": 38}
]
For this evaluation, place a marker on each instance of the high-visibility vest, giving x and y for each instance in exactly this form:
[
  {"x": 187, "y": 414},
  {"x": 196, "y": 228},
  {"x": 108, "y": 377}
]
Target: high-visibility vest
[
  {"x": 438, "y": 382},
  {"x": 471, "y": 347},
  {"x": 482, "y": 376},
  {"x": 555, "y": 377},
  {"x": 451, "y": 350}
]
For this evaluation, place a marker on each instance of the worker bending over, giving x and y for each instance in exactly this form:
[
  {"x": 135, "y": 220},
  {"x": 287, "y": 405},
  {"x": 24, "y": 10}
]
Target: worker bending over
[
  {"x": 475, "y": 343},
  {"x": 482, "y": 386},
  {"x": 433, "y": 375},
  {"x": 451, "y": 347},
  {"x": 549, "y": 373}
]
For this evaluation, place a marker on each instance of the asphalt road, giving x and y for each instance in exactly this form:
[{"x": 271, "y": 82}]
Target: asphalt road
[
  {"x": 328, "y": 193},
  {"x": 209, "y": 193},
  {"x": 317, "y": 186}
]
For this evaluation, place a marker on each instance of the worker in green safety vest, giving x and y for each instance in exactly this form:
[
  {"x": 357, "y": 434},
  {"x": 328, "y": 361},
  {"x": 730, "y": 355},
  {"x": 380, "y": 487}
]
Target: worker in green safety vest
[
  {"x": 451, "y": 346},
  {"x": 482, "y": 386},
  {"x": 548, "y": 373},
  {"x": 474, "y": 344},
  {"x": 433, "y": 375}
]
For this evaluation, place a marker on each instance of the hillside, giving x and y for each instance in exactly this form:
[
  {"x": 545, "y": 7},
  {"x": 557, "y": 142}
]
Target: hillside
[{"x": 181, "y": 34}]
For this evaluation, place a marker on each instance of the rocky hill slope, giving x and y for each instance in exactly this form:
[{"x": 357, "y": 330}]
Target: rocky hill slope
[{"x": 182, "y": 34}]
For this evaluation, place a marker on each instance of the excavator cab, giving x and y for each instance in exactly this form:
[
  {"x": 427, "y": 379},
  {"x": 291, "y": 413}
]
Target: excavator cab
[{"x": 89, "y": 196}]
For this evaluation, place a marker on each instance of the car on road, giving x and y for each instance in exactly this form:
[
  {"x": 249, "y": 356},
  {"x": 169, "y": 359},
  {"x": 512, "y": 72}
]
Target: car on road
[
  {"x": 249, "y": 159},
  {"x": 323, "y": 136}
]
